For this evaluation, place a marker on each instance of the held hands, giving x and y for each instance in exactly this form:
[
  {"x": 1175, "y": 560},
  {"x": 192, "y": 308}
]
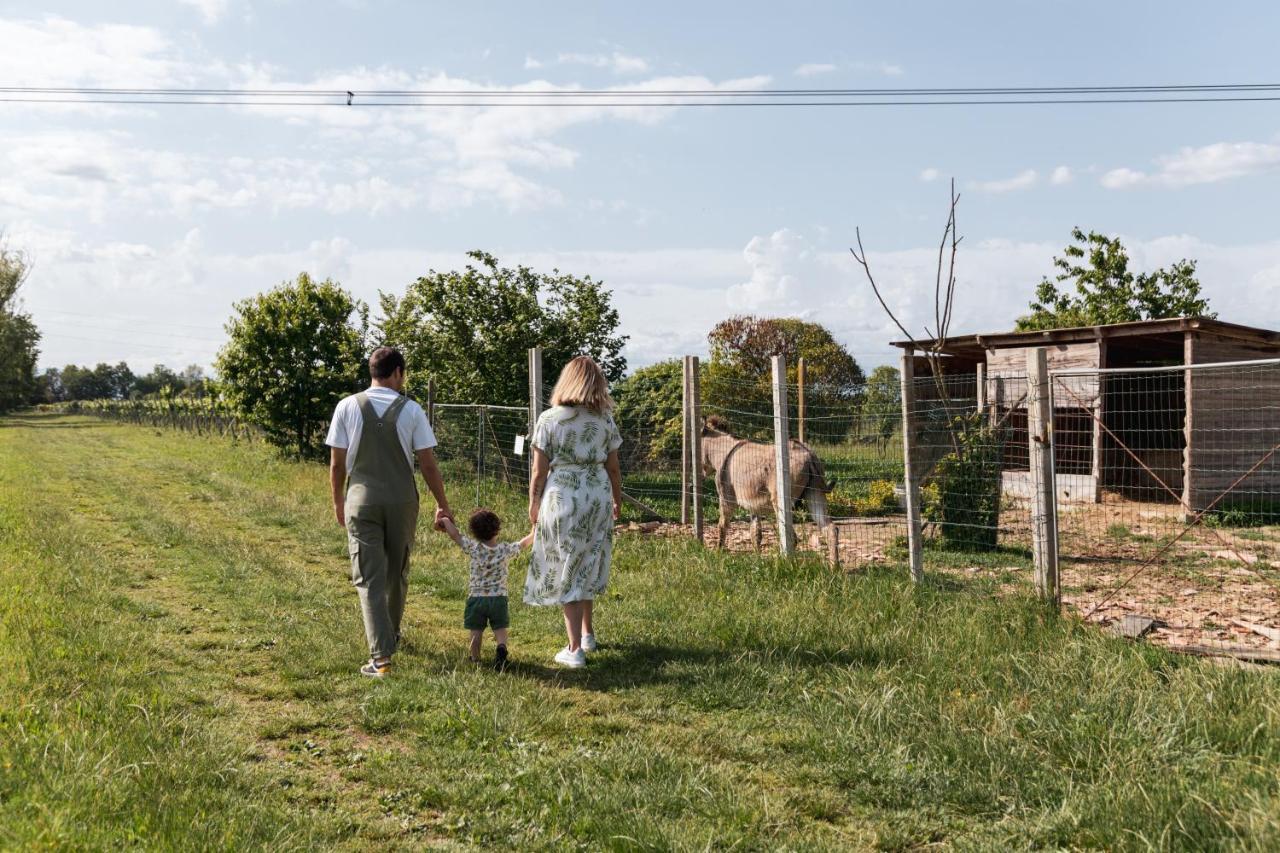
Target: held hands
[{"x": 441, "y": 514}]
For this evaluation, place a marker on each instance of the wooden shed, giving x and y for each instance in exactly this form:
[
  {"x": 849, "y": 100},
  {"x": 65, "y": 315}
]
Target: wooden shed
[{"x": 1195, "y": 431}]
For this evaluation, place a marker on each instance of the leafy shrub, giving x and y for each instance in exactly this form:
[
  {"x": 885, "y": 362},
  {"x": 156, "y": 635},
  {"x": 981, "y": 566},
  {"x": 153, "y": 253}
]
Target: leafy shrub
[{"x": 968, "y": 486}]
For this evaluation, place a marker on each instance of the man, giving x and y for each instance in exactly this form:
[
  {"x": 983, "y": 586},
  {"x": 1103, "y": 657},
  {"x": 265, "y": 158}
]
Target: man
[{"x": 373, "y": 439}]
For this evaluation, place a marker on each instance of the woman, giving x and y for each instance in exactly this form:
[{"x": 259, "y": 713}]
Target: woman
[{"x": 574, "y": 497}]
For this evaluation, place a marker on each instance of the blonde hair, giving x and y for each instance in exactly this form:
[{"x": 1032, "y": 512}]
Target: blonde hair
[{"x": 582, "y": 383}]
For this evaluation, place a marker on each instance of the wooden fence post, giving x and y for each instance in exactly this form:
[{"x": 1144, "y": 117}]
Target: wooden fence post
[
  {"x": 686, "y": 439},
  {"x": 1044, "y": 516},
  {"x": 910, "y": 482},
  {"x": 535, "y": 400},
  {"x": 800, "y": 397},
  {"x": 782, "y": 457},
  {"x": 431, "y": 402},
  {"x": 695, "y": 443},
  {"x": 833, "y": 545}
]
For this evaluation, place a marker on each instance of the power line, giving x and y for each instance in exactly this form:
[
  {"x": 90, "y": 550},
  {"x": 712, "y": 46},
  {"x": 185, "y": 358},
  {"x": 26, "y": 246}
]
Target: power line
[{"x": 615, "y": 98}]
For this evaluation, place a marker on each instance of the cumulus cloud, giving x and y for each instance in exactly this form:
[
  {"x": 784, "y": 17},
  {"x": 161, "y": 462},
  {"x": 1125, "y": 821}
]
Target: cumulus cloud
[
  {"x": 1207, "y": 164},
  {"x": 930, "y": 174},
  {"x": 1061, "y": 175},
  {"x": 54, "y": 51},
  {"x": 1024, "y": 180}
]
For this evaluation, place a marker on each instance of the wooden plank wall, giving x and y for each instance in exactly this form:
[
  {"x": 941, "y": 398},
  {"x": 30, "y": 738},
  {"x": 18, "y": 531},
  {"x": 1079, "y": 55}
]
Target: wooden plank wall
[
  {"x": 1234, "y": 421},
  {"x": 1007, "y": 370}
]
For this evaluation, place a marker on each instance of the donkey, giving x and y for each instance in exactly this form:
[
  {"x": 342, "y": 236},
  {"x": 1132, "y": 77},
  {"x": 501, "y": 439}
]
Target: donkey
[{"x": 744, "y": 474}]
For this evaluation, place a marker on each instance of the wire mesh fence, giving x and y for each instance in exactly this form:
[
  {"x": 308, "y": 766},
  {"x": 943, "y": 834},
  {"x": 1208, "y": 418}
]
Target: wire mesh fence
[
  {"x": 477, "y": 444},
  {"x": 1168, "y": 495}
]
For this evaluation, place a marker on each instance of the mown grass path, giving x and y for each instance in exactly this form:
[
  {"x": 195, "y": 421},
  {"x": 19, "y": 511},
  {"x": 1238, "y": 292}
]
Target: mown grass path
[{"x": 178, "y": 642}]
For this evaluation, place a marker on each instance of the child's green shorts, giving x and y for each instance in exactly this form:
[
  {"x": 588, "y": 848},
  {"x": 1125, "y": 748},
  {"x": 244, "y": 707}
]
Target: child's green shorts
[{"x": 486, "y": 610}]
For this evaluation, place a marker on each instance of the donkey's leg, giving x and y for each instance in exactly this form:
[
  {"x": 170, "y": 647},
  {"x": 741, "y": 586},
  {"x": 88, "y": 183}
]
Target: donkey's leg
[{"x": 722, "y": 526}]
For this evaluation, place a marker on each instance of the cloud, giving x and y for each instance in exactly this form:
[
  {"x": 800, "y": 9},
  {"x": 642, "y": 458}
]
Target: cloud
[
  {"x": 812, "y": 69},
  {"x": 187, "y": 285},
  {"x": 211, "y": 11},
  {"x": 930, "y": 174},
  {"x": 54, "y": 51},
  {"x": 1061, "y": 175},
  {"x": 888, "y": 69},
  {"x": 1023, "y": 180},
  {"x": 1207, "y": 164},
  {"x": 615, "y": 61}
]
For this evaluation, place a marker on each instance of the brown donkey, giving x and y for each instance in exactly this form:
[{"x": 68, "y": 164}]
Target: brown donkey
[{"x": 744, "y": 473}]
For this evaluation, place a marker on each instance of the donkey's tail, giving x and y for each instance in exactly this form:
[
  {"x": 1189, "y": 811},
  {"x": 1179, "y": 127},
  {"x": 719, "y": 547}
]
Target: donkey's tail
[{"x": 815, "y": 492}]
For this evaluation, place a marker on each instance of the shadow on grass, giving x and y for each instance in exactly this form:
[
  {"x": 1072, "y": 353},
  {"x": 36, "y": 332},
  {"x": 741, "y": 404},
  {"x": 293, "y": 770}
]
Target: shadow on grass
[
  {"x": 51, "y": 421},
  {"x": 620, "y": 666}
]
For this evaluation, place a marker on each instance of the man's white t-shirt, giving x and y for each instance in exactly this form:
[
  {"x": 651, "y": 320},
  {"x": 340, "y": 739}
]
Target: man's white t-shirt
[{"x": 345, "y": 427}]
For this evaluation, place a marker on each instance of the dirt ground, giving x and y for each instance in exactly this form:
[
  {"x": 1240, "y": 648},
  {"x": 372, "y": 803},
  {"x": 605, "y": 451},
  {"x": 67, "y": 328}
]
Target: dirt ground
[{"x": 1217, "y": 587}]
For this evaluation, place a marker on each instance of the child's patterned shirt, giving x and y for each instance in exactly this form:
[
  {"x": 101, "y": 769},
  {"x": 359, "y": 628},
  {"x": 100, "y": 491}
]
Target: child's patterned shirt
[{"x": 489, "y": 566}]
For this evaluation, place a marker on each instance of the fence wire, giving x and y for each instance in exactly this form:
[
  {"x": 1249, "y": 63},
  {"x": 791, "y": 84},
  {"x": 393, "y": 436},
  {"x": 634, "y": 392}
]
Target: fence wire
[{"x": 1168, "y": 492}]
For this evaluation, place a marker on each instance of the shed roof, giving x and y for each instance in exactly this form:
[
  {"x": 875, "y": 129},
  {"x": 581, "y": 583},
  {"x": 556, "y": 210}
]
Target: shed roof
[{"x": 976, "y": 345}]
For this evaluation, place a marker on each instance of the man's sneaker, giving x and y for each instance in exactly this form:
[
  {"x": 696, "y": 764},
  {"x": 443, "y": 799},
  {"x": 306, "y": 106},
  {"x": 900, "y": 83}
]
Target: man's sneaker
[
  {"x": 376, "y": 667},
  {"x": 500, "y": 659},
  {"x": 588, "y": 642},
  {"x": 573, "y": 660}
]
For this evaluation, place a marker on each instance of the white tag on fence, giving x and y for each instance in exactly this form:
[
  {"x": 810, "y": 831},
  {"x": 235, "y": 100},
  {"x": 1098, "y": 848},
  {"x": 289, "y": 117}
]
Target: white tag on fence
[{"x": 519, "y": 445}]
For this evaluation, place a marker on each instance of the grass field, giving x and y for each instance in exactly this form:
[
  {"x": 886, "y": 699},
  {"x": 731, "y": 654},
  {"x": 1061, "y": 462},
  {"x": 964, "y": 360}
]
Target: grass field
[{"x": 178, "y": 643}]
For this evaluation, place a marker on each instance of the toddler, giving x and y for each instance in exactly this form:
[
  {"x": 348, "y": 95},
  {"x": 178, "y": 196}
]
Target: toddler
[{"x": 487, "y": 589}]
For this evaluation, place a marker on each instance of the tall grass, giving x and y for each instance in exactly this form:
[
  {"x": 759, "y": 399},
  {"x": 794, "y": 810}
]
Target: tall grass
[{"x": 178, "y": 644}]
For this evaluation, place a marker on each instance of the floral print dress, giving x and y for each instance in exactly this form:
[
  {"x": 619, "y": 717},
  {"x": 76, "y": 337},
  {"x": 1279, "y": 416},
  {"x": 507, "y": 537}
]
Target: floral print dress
[{"x": 573, "y": 539}]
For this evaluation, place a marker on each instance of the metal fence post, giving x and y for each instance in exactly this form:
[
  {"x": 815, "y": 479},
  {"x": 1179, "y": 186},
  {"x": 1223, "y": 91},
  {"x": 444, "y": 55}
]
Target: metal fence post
[
  {"x": 1044, "y": 516},
  {"x": 782, "y": 457},
  {"x": 800, "y": 377},
  {"x": 910, "y": 483}
]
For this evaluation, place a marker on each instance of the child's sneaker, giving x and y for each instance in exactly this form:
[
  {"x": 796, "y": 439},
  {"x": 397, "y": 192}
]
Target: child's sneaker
[
  {"x": 588, "y": 642},
  {"x": 500, "y": 659},
  {"x": 573, "y": 660},
  {"x": 376, "y": 667}
]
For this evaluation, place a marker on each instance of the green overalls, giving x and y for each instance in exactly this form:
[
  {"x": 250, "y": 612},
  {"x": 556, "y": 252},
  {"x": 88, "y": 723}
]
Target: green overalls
[{"x": 382, "y": 518}]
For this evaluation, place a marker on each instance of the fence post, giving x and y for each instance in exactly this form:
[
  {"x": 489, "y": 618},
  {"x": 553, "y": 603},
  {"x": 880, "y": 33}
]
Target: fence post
[
  {"x": 1044, "y": 517},
  {"x": 695, "y": 431},
  {"x": 686, "y": 440},
  {"x": 910, "y": 483},
  {"x": 800, "y": 397},
  {"x": 782, "y": 457},
  {"x": 833, "y": 545},
  {"x": 480, "y": 415},
  {"x": 431, "y": 402},
  {"x": 535, "y": 399}
]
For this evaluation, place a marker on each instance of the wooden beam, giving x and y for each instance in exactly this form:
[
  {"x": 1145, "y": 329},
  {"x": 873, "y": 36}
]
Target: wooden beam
[
  {"x": 695, "y": 456},
  {"x": 911, "y": 483},
  {"x": 686, "y": 440},
  {"x": 782, "y": 457},
  {"x": 1044, "y": 521}
]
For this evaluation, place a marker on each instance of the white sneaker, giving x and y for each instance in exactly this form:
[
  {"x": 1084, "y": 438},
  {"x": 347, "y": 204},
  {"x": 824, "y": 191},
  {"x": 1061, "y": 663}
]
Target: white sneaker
[
  {"x": 573, "y": 660},
  {"x": 588, "y": 642}
]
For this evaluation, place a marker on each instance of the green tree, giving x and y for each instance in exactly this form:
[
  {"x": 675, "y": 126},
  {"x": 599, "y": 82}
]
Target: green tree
[
  {"x": 19, "y": 337},
  {"x": 293, "y": 353},
  {"x": 471, "y": 330},
  {"x": 738, "y": 377},
  {"x": 882, "y": 404},
  {"x": 650, "y": 413},
  {"x": 1094, "y": 286}
]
